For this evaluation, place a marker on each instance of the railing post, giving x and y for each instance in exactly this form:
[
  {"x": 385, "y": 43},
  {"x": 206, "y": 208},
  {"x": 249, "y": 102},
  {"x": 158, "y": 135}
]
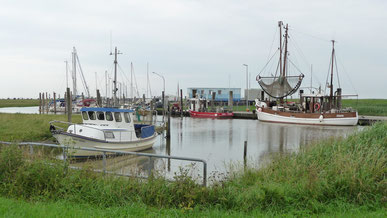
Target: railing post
[
  {"x": 31, "y": 150},
  {"x": 204, "y": 174},
  {"x": 104, "y": 162}
]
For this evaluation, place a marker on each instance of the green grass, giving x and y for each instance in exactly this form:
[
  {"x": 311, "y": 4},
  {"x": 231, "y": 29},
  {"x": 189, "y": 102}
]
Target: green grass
[
  {"x": 371, "y": 107},
  {"x": 19, "y": 102},
  {"x": 342, "y": 177},
  {"x": 29, "y": 127},
  {"x": 22, "y": 208}
]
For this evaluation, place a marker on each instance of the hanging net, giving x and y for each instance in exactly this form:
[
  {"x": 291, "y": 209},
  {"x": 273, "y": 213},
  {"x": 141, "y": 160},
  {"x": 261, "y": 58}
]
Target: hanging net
[{"x": 280, "y": 87}]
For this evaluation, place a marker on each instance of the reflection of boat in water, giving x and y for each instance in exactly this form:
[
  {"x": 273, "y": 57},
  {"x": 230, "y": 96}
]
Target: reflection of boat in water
[
  {"x": 199, "y": 108},
  {"x": 313, "y": 109},
  {"x": 105, "y": 128}
]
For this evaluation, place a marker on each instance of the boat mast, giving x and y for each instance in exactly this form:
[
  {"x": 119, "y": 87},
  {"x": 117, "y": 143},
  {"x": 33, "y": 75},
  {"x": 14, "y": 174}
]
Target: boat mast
[
  {"x": 115, "y": 104},
  {"x": 280, "y": 48},
  {"x": 74, "y": 72},
  {"x": 286, "y": 51},
  {"x": 331, "y": 86}
]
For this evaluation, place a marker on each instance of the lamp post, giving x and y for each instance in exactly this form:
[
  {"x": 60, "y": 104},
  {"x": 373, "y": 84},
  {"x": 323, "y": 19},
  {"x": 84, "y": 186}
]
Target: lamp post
[
  {"x": 247, "y": 86},
  {"x": 163, "y": 92}
]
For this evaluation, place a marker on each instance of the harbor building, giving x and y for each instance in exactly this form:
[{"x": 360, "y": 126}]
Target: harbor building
[{"x": 221, "y": 94}]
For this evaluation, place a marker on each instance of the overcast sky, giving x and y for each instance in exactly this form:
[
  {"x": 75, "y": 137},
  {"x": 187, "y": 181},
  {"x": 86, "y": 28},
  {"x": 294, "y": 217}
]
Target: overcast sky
[{"x": 198, "y": 43}]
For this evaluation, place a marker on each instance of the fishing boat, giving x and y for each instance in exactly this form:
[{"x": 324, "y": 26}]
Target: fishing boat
[
  {"x": 105, "y": 128},
  {"x": 313, "y": 109},
  {"x": 199, "y": 109}
]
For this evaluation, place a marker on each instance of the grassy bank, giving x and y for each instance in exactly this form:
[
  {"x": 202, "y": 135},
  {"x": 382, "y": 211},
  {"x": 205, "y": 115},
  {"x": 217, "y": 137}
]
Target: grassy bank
[
  {"x": 18, "y": 102},
  {"x": 29, "y": 127},
  {"x": 336, "y": 177},
  {"x": 371, "y": 107}
]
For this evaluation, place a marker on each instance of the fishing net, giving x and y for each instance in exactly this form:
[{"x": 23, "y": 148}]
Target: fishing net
[{"x": 279, "y": 87}]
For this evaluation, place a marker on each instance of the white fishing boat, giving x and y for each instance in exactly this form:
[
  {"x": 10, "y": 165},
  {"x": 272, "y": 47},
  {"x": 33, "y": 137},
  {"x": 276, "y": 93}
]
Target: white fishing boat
[
  {"x": 105, "y": 128},
  {"x": 313, "y": 109}
]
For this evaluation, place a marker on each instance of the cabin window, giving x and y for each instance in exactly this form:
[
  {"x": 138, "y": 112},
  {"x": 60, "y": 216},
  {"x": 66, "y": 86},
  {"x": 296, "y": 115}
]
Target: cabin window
[
  {"x": 84, "y": 115},
  {"x": 91, "y": 115},
  {"x": 100, "y": 115},
  {"x": 117, "y": 116},
  {"x": 127, "y": 117},
  {"x": 109, "y": 116},
  {"x": 109, "y": 135}
]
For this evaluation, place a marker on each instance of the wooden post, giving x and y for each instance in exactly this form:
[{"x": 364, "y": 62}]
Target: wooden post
[
  {"x": 169, "y": 124},
  {"x": 99, "y": 100},
  {"x": 65, "y": 96},
  {"x": 40, "y": 103},
  {"x": 54, "y": 95},
  {"x": 230, "y": 100},
  {"x": 213, "y": 101},
  {"x": 245, "y": 154},
  {"x": 47, "y": 99},
  {"x": 151, "y": 108},
  {"x": 43, "y": 103},
  {"x": 163, "y": 100},
  {"x": 69, "y": 105},
  {"x": 181, "y": 103}
]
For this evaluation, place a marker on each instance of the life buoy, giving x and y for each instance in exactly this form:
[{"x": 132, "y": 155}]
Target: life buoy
[{"x": 317, "y": 106}]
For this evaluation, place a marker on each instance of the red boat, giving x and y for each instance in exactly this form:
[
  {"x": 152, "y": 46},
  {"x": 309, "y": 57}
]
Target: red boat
[
  {"x": 199, "y": 108},
  {"x": 211, "y": 114}
]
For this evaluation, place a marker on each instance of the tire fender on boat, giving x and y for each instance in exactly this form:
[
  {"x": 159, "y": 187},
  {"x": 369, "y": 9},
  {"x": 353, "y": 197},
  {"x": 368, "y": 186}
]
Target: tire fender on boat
[{"x": 321, "y": 118}]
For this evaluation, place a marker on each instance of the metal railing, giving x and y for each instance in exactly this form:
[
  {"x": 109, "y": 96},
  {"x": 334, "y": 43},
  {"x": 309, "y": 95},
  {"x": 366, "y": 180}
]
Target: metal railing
[{"x": 105, "y": 152}]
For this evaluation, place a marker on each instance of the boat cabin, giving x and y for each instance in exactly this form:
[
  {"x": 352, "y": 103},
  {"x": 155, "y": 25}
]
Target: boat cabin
[{"x": 110, "y": 124}]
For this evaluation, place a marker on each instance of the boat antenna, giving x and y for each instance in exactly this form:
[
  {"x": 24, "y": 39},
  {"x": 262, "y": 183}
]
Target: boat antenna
[{"x": 116, "y": 52}]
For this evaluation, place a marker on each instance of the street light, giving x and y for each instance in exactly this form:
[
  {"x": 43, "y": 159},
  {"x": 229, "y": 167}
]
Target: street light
[
  {"x": 247, "y": 86},
  {"x": 163, "y": 93}
]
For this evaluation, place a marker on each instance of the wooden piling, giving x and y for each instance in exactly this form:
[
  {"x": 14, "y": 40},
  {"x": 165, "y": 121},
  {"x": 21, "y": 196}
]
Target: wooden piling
[
  {"x": 54, "y": 95},
  {"x": 230, "y": 100},
  {"x": 47, "y": 100},
  {"x": 43, "y": 103},
  {"x": 68, "y": 105},
  {"x": 181, "y": 103},
  {"x": 169, "y": 124},
  {"x": 245, "y": 154},
  {"x": 40, "y": 102},
  {"x": 99, "y": 100},
  {"x": 163, "y": 100}
]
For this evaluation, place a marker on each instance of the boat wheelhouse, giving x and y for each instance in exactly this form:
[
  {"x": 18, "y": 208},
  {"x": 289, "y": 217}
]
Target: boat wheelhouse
[{"x": 105, "y": 128}]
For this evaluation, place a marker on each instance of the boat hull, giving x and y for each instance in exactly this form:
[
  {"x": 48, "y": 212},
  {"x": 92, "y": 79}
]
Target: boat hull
[
  {"x": 332, "y": 119},
  {"x": 73, "y": 140},
  {"x": 210, "y": 114}
]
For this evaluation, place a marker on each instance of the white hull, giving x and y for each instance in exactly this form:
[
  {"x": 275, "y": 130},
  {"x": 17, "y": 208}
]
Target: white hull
[
  {"x": 344, "y": 121},
  {"x": 74, "y": 141}
]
